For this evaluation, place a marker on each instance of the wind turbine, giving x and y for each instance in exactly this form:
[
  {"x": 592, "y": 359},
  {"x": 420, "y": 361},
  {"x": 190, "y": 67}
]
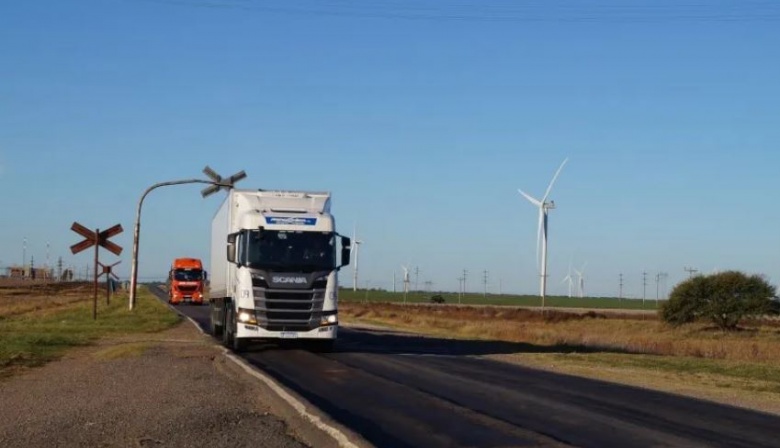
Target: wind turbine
[
  {"x": 581, "y": 280},
  {"x": 406, "y": 281},
  {"x": 356, "y": 248},
  {"x": 569, "y": 279},
  {"x": 541, "y": 235}
]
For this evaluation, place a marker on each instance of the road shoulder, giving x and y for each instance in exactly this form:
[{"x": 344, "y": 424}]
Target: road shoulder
[{"x": 173, "y": 388}]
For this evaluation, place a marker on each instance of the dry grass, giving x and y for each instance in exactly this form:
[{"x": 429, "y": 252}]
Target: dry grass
[
  {"x": 17, "y": 299},
  {"x": 622, "y": 333}
]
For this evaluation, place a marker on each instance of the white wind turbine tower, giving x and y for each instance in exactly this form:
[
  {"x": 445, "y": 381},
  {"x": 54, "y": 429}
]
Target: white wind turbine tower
[
  {"x": 356, "y": 248},
  {"x": 406, "y": 281},
  {"x": 581, "y": 280},
  {"x": 541, "y": 235},
  {"x": 569, "y": 279}
]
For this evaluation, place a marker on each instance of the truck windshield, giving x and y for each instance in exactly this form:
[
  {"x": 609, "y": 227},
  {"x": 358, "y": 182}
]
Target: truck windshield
[
  {"x": 304, "y": 251},
  {"x": 187, "y": 275}
]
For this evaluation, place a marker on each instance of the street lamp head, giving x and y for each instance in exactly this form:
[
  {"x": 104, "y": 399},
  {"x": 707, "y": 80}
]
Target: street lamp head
[
  {"x": 236, "y": 177},
  {"x": 218, "y": 182}
]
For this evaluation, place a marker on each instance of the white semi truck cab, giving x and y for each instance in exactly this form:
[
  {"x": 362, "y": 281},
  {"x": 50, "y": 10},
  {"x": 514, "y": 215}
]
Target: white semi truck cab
[{"x": 274, "y": 268}]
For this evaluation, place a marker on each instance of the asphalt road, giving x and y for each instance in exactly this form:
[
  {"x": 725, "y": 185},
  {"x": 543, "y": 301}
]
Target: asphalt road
[{"x": 401, "y": 390}]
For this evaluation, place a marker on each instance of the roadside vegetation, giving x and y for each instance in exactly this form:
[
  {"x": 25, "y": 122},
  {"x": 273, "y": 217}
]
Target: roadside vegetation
[
  {"x": 38, "y": 324},
  {"x": 726, "y": 299}
]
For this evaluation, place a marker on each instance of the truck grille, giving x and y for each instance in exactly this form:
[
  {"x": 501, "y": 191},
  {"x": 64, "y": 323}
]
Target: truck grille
[
  {"x": 186, "y": 289},
  {"x": 289, "y": 310}
]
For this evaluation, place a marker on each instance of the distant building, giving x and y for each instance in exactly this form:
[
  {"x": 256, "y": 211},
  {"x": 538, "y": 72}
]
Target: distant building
[{"x": 27, "y": 272}]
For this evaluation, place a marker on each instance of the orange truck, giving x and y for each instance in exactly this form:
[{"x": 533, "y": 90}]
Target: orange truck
[{"x": 186, "y": 281}]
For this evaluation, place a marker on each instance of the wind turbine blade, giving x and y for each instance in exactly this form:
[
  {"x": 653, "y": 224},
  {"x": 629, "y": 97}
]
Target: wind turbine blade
[
  {"x": 549, "y": 188},
  {"x": 535, "y": 202}
]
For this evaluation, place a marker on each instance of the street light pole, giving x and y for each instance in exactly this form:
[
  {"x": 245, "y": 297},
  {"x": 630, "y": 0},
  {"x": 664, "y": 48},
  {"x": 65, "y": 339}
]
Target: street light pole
[{"x": 216, "y": 185}]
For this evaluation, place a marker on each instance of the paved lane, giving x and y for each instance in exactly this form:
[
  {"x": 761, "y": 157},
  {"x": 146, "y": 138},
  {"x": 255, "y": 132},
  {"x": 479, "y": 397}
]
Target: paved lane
[{"x": 402, "y": 390}]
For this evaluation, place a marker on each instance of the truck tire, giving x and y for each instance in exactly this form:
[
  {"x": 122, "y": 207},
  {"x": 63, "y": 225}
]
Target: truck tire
[{"x": 229, "y": 339}]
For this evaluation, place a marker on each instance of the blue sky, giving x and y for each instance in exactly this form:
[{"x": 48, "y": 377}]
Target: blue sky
[{"x": 422, "y": 118}]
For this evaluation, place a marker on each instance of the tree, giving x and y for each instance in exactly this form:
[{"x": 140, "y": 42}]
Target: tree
[{"x": 724, "y": 298}]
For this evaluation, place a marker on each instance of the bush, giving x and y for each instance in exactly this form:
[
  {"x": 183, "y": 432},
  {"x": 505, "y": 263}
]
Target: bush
[
  {"x": 437, "y": 299},
  {"x": 724, "y": 298}
]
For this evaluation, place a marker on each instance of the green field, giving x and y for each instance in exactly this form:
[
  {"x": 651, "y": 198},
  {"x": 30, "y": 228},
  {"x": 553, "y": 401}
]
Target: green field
[
  {"x": 372, "y": 295},
  {"x": 42, "y": 334}
]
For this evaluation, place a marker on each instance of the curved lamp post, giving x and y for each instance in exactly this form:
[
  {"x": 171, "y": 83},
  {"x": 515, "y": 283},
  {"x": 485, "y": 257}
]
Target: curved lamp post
[{"x": 215, "y": 185}]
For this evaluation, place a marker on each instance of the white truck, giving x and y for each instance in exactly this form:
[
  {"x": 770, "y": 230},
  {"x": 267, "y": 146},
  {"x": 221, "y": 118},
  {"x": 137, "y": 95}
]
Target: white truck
[{"x": 274, "y": 268}]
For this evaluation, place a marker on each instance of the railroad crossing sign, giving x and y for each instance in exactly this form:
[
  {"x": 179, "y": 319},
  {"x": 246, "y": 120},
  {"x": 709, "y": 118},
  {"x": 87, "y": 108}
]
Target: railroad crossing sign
[
  {"x": 98, "y": 239},
  {"x": 107, "y": 271},
  {"x": 95, "y": 237},
  {"x": 219, "y": 181}
]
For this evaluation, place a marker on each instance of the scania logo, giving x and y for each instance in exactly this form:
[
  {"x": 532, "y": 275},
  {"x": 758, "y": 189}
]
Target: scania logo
[{"x": 280, "y": 279}]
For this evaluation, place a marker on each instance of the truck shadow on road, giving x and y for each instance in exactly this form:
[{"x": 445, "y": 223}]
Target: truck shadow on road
[{"x": 391, "y": 342}]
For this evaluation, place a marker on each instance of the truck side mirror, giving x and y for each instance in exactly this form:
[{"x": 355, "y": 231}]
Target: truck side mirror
[
  {"x": 346, "y": 250},
  {"x": 205, "y": 275},
  {"x": 231, "y": 248}
]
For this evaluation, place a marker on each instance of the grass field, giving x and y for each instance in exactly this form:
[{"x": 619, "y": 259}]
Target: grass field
[
  {"x": 38, "y": 325},
  {"x": 362, "y": 295}
]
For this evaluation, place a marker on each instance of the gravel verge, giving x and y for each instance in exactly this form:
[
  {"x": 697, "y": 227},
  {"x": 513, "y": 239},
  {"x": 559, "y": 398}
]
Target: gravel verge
[{"x": 173, "y": 389}]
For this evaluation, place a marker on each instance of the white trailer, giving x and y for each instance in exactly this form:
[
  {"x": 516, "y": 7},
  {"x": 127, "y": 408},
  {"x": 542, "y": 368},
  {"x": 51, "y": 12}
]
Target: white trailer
[{"x": 274, "y": 268}]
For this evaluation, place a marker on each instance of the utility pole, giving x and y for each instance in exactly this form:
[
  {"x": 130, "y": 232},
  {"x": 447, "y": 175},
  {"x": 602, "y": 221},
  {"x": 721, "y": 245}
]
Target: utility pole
[
  {"x": 416, "y": 278},
  {"x": 48, "y": 265},
  {"x": 464, "y": 282},
  {"x": 644, "y": 287},
  {"x": 460, "y": 288},
  {"x": 690, "y": 271},
  {"x": 620, "y": 296},
  {"x": 24, "y": 257},
  {"x": 59, "y": 269},
  {"x": 393, "y": 281},
  {"x": 484, "y": 283}
]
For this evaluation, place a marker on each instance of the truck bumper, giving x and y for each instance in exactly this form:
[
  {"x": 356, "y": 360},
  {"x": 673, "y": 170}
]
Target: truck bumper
[
  {"x": 196, "y": 298},
  {"x": 255, "y": 332}
]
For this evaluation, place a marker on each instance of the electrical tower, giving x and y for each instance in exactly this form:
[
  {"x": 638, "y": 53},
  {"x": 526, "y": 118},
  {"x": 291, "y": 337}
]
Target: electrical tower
[
  {"x": 690, "y": 271},
  {"x": 644, "y": 288},
  {"x": 484, "y": 283},
  {"x": 620, "y": 295}
]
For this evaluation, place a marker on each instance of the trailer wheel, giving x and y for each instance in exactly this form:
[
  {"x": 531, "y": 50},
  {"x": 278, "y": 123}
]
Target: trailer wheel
[{"x": 216, "y": 330}]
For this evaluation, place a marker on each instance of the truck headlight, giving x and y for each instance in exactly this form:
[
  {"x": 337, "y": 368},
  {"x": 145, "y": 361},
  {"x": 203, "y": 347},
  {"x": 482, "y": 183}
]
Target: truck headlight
[
  {"x": 247, "y": 317},
  {"x": 331, "y": 319}
]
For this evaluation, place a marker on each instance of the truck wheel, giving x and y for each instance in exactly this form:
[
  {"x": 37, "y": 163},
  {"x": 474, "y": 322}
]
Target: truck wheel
[{"x": 238, "y": 344}]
